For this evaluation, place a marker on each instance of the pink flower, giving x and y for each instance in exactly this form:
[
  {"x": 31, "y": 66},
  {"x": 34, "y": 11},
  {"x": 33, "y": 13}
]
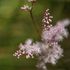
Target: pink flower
[
  {"x": 29, "y": 49},
  {"x": 57, "y": 32}
]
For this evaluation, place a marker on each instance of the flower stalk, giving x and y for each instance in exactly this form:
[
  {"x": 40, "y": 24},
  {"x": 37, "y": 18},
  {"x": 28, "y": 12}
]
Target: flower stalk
[{"x": 33, "y": 22}]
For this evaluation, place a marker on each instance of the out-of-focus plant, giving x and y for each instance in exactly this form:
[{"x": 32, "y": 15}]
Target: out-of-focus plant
[{"x": 48, "y": 50}]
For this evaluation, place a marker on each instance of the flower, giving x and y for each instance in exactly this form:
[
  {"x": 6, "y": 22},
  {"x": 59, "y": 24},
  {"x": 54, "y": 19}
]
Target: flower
[
  {"x": 47, "y": 19},
  {"x": 49, "y": 54},
  {"x": 26, "y": 8},
  {"x": 31, "y": 0},
  {"x": 41, "y": 65},
  {"x": 57, "y": 32},
  {"x": 29, "y": 49},
  {"x": 55, "y": 52}
]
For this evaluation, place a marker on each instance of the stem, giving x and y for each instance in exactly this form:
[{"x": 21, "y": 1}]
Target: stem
[{"x": 37, "y": 30}]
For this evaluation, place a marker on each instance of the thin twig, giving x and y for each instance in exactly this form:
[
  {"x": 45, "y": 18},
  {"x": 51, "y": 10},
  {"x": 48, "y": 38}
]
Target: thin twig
[{"x": 34, "y": 21}]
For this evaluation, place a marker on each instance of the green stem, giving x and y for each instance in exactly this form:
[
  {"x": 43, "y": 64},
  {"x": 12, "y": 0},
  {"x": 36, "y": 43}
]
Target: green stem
[{"x": 34, "y": 24}]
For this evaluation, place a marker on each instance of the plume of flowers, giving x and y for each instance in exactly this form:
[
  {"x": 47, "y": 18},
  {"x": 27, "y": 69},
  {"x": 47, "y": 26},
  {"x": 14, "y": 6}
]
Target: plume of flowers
[
  {"x": 47, "y": 20},
  {"x": 29, "y": 48},
  {"x": 48, "y": 50},
  {"x": 51, "y": 36}
]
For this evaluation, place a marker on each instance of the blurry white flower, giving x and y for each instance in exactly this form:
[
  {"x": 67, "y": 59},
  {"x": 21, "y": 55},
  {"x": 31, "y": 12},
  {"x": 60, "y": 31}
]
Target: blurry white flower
[
  {"x": 28, "y": 41},
  {"x": 62, "y": 26},
  {"x": 50, "y": 54},
  {"x": 26, "y": 8},
  {"x": 64, "y": 23},
  {"x": 41, "y": 65},
  {"x": 55, "y": 53},
  {"x": 31, "y": 0}
]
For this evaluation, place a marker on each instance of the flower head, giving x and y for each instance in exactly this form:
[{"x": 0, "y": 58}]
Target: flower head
[
  {"x": 47, "y": 19},
  {"x": 49, "y": 54},
  {"x": 57, "y": 32},
  {"x": 29, "y": 49},
  {"x": 26, "y": 8}
]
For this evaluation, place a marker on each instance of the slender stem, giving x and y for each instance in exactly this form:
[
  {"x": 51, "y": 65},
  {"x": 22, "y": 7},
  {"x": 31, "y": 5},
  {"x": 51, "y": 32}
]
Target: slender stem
[{"x": 37, "y": 30}]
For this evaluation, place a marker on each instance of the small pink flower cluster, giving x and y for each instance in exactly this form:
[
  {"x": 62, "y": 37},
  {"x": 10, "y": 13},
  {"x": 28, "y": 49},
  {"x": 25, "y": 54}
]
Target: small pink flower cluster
[
  {"x": 29, "y": 48},
  {"x": 26, "y": 8},
  {"x": 57, "y": 32},
  {"x": 47, "y": 20}
]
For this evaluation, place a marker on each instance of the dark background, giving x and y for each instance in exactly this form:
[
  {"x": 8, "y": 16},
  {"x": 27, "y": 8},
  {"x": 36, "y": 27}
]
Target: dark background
[{"x": 16, "y": 26}]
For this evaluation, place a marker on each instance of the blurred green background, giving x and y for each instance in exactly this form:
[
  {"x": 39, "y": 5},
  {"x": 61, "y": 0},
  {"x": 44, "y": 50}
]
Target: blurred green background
[{"x": 16, "y": 26}]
